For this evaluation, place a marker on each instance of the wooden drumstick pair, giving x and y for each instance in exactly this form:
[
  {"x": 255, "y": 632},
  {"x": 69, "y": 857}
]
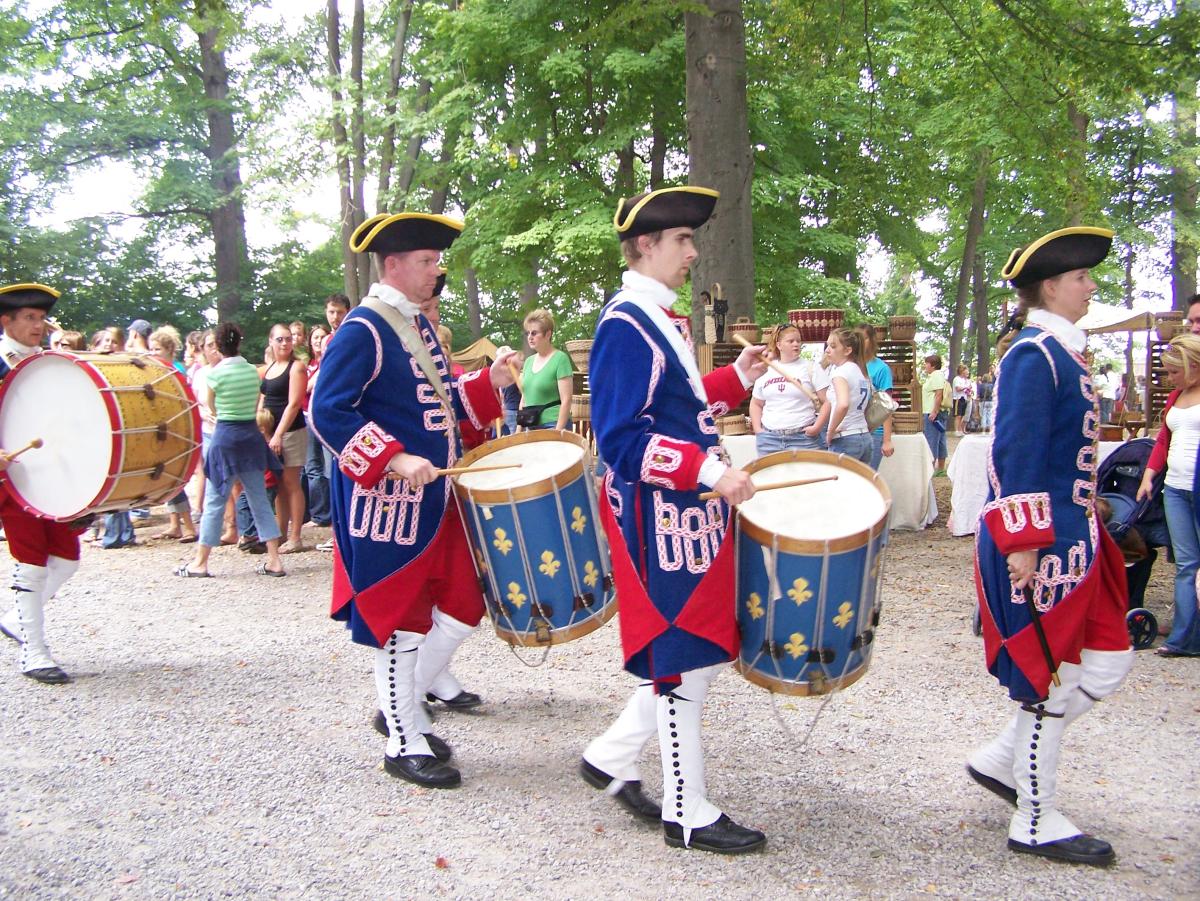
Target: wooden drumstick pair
[
  {"x": 711, "y": 495},
  {"x": 783, "y": 372},
  {"x": 460, "y": 470},
  {"x": 32, "y": 445}
]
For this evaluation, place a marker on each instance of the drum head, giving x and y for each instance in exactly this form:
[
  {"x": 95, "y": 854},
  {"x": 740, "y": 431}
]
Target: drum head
[
  {"x": 848, "y": 505},
  {"x": 53, "y": 398},
  {"x": 534, "y": 457}
]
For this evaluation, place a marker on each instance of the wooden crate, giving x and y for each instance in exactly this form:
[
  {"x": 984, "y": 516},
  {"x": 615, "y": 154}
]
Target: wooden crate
[{"x": 714, "y": 356}]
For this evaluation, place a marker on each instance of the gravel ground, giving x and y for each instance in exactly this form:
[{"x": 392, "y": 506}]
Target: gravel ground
[{"x": 216, "y": 743}]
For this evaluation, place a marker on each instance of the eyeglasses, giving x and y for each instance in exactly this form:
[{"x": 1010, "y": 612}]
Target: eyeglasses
[
  {"x": 282, "y": 339},
  {"x": 532, "y": 332}
]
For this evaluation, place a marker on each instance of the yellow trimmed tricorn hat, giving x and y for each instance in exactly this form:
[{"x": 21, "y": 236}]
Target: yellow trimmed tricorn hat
[
  {"x": 402, "y": 232},
  {"x": 1078, "y": 247},
  {"x": 26, "y": 294},
  {"x": 687, "y": 206},
  {"x": 441, "y": 284}
]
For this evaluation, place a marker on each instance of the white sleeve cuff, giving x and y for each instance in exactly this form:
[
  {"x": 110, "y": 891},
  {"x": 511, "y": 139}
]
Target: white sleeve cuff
[
  {"x": 711, "y": 471},
  {"x": 746, "y": 380}
]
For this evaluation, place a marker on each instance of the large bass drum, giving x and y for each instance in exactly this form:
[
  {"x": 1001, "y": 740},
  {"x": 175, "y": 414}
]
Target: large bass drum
[
  {"x": 809, "y": 572},
  {"x": 117, "y": 431},
  {"x": 539, "y": 547}
]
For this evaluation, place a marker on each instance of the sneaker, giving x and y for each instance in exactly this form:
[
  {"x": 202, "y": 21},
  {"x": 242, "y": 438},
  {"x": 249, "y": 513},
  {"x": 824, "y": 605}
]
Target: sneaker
[
  {"x": 326, "y": 546},
  {"x": 139, "y": 513}
]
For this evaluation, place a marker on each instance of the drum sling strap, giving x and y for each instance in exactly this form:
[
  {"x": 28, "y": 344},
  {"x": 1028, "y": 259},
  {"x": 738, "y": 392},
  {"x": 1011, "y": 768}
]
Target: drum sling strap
[{"x": 413, "y": 343}]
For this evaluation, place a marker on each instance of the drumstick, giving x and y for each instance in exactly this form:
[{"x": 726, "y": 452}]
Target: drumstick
[
  {"x": 459, "y": 470},
  {"x": 32, "y": 445},
  {"x": 710, "y": 495},
  {"x": 783, "y": 372},
  {"x": 516, "y": 374}
]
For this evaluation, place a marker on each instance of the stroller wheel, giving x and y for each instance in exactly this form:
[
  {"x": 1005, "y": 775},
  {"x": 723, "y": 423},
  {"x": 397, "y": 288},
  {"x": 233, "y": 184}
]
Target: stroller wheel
[
  {"x": 976, "y": 623},
  {"x": 1143, "y": 628}
]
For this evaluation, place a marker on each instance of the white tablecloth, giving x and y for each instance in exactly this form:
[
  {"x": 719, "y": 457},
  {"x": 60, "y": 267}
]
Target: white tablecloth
[
  {"x": 968, "y": 471},
  {"x": 908, "y": 473}
]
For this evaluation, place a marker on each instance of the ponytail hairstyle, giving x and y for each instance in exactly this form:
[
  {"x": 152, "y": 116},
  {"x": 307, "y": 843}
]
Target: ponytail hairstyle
[
  {"x": 870, "y": 344},
  {"x": 1029, "y": 297},
  {"x": 777, "y": 335},
  {"x": 852, "y": 341}
]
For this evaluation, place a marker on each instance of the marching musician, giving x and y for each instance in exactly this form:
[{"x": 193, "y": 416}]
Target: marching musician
[
  {"x": 46, "y": 553},
  {"x": 654, "y": 419},
  {"x": 386, "y": 406},
  {"x": 1051, "y": 582}
]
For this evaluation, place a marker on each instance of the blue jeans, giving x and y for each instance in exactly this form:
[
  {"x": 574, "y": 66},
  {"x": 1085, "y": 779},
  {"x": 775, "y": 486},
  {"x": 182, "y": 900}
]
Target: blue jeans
[
  {"x": 254, "y": 488},
  {"x": 510, "y": 421},
  {"x": 876, "y": 449},
  {"x": 770, "y": 442},
  {"x": 118, "y": 530},
  {"x": 936, "y": 436},
  {"x": 856, "y": 446},
  {"x": 1106, "y": 409},
  {"x": 245, "y": 518},
  {"x": 986, "y": 409},
  {"x": 1185, "y": 544},
  {"x": 318, "y": 482}
]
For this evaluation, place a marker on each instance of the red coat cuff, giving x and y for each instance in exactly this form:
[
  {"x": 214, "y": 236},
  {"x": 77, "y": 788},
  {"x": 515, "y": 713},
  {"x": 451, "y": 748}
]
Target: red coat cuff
[
  {"x": 1020, "y": 522},
  {"x": 724, "y": 389},
  {"x": 479, "y": 399},
  {"x": 365, "y": 456},
  {"x": 669, "y": 463}
]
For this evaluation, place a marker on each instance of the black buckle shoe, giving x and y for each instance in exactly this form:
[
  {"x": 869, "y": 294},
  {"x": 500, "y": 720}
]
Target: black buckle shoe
[
  {"x": 723, "y": 836},
  {"x": 630, "y": 795},
  {"x": 464, "y": 700},
  {"x": 423, "y": 769},
  {"x": 995, "y": 786},
  {"x": 440, "y": 749},
  {"x": 1084, "y": 848},
  {"x": 48, "y": 675}
]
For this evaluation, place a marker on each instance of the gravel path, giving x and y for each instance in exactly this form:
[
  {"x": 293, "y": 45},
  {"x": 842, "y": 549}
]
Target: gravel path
[{"x": 216, "y": 743}]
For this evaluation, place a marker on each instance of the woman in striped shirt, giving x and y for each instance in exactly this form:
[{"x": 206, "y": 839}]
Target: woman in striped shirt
[{"x": 237, "y": 452}]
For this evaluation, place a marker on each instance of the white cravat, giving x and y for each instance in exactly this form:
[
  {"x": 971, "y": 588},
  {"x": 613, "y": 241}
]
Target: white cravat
[
  {"x": 1062, "y": 329},
  {"x": 394, "y": 298},
  {"x": 654, "y": 298},
  {"x": 14, "y": 351}
]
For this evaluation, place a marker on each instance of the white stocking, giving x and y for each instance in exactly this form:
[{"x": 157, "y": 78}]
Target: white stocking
[
  {"x": 679, "y": 715},
  {"x": 616, "y": 752},
  {"x": 394, "y": 664}
]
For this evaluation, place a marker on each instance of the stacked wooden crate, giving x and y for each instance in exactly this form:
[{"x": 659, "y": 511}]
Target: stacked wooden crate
[
  {"x": 1157, "y": 386},
  {"x": 901, "y": 357}
]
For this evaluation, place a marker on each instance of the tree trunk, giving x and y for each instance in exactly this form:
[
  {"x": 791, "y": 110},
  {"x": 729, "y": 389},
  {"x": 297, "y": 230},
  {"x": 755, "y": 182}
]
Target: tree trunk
[
  {"x": 387, "y": 147},
  {"x": 413, "y": 153},
  {"x": 719, "y": 154},
  {"x": 1077, "y": 192},
  {"x": 624, "y": 183},
  {"x": 474, "y": 313},
  {"x": 437, "y": 200},
  {"x": 970, "y": 241},
  {"x": 983, "y": 322},
  {"x": 341, "y": 148},
  {"x": 359, "y": 161},
  {"x": 228, "y": 217},
  {"x": 1129, "y": 379},
  {"x": 1184, "y": 246}
]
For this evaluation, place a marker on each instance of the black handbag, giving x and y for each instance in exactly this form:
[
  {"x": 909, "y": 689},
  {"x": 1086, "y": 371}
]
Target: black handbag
[{"x": 528, "y": 417}]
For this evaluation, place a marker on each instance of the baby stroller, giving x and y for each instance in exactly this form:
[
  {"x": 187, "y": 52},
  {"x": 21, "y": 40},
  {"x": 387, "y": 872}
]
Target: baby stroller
[{"x": 1138, "y": 528}]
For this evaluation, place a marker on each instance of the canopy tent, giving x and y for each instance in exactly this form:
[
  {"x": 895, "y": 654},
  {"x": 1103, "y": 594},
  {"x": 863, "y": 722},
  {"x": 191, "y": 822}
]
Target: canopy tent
[
  {"x": 1101, "y": 319},
  {"x": 476, "y": 356}
]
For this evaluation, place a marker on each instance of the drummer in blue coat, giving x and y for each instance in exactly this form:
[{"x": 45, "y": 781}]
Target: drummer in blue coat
[
  {"x": 387, "y": 406},
  {"x": 1051, "y": 582},
  {"x": 653, "y": 417}
]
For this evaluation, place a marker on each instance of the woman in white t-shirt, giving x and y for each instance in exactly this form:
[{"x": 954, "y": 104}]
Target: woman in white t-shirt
[
  {"x": 849, "y": 392},
  {"x": 783, "y": 416}
]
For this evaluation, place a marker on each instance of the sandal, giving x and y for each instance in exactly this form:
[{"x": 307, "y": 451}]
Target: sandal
[
  {"x": 189, "y": 539},
  {"x": 263, "y": 571},
  {"x": 1165, "y": 651},
  {"x": 184, "y": 573},
  {"x": 169, "y": 534}
]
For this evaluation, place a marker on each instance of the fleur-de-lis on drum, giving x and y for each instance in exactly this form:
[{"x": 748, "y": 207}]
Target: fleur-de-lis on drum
[
  {"x": 845, "y": 614},
  {"x": 578, "y": 520},
  {"x": 515, "y": 597},
  {"x": 754, "y": 606},
  {"x": 796, "y": 646},
  {"x": 502, "y": 543},
  {"x": 591, "y": 575},
  {"x": 549, "y": 564},
  {"x": 799, "y": 592}
]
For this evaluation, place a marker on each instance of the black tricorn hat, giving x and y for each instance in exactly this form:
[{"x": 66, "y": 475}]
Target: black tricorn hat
[
  {"x": 1078, "y": 247},
  {"x": 441, "y": 284},
  {"x": 687, "y": 206},
  {"x": 26, "y": 294},
  {"x": 402, "y": 232}
]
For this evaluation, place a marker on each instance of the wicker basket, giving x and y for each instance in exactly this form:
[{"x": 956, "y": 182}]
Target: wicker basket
[
  {"x": 815, "y": 325},
  {"x": 579, "y": 383},
  {"x": 902, "y": 373},
  {"x": 733, "y": 425},
  {"x": 581, "y": 407},
  {"x": 907, "y": 423},
  {"x": 1169, "y": 324},
  {"x": 746, "y": 328},
  {"x": 579, "y": 351},
  {"x": 902, "y": 328}
]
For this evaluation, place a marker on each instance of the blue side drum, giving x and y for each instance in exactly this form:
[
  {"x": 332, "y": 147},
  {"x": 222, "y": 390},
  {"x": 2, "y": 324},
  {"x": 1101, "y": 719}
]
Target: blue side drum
[
  {"x": 539, "y": 547},
  {"x": 809, "y": 572}
]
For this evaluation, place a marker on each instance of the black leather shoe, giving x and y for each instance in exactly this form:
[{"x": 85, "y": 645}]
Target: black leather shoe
[
  {"x": 7, "y": 634},
  {"x": 721, "y": 837},
  {"x": 423, "y": 769},
  {"x": 630, "y": 796},
  {"x": 995, "y": 786},
  {"x": 1087, "y": 849},
  {"x": 48, "y": 675},
  {"x": 440, "y": 749},
  {"x": 464, "y": 700}
]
